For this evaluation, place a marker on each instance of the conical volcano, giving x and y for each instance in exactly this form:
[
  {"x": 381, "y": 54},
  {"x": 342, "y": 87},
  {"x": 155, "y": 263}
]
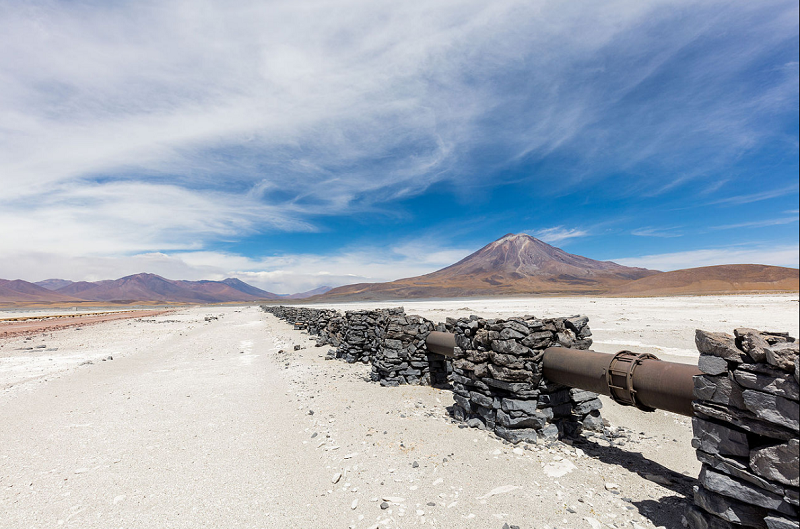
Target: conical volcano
[{"x": 515, "y": 264}]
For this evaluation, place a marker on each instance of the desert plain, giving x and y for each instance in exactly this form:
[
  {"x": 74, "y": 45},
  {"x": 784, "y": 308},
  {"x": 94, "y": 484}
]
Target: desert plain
[{"x": 207, "y": 416}]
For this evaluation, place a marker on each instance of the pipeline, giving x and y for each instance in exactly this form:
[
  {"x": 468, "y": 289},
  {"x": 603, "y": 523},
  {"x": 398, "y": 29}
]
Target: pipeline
[{"x": 630, "y": 379}]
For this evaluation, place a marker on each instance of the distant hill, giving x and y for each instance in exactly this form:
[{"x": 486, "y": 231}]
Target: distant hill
[
  {"x": 151, "y": 287},
  {"x": 721, "y": 279},
  {"x": 241, "y": 286},
  {"x": 303, "y": 295},
  {"x": 23, "y": 291},
  {"x": 511, "y": 265},
  {"x": 53, "y": 284},
  {"x": 137, "y": 287}
]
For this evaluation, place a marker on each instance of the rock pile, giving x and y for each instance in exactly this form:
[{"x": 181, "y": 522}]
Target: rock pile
[
  {"x": 403, "y": 356},
  {"x": 498, "y": 383},
  {"x": 746, "y": 430}
]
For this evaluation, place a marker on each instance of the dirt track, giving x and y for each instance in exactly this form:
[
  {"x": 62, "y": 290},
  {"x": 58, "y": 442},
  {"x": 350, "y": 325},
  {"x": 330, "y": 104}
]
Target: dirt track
[{"x": 17, "y": 328}]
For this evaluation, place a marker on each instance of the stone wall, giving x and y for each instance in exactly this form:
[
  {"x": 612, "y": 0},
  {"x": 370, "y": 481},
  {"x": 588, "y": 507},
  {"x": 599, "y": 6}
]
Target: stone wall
[
  {"x": 746, "y": 430},
  {"x": 403, "y": 356},
  {"x": 498, "y": 383},
  {"x": 363, "y": 334},
  {"x": 746, "y": 408},
  {"x": 390, "y": 340},
  {"x": 326, "y": 324}
]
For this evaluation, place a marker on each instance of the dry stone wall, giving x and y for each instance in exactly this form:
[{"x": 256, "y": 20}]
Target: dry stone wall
[
  {"x": 363, "y": 334},
  {"x": 746, "y": 407},
  {"x": 326, "y": 324},
  {"x": 746, "y": 430},
  {"x": 498, "y": 383},
  {"x": 403, "y": 356}
]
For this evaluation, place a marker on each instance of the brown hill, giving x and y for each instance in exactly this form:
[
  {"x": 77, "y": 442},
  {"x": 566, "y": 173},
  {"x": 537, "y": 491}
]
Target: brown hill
[
  {"x": 53, "y": 284},
  {"x": 19, "y": 290},
  {"x": 310, "y": 293},
  {"x": 721, "y": 279},
  {"x": 241, "y": 286},
  {"x": 150, "y": 287},
  {"x": 511, "y": 265}
]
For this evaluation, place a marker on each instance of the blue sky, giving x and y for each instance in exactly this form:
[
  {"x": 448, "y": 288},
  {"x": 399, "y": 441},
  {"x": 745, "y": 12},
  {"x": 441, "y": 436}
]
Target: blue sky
[{"x": 296, "y": 144}]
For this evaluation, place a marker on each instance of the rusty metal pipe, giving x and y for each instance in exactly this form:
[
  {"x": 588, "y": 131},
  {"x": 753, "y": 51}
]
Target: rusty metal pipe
[
  {"x": 442, "y": 343},
  {"x": 639, "y": 380},
  {"x": 643, "y": 381}
]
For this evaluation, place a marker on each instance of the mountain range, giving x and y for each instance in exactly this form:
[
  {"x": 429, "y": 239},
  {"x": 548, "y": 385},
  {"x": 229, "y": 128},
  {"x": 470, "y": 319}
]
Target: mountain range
[
  {"x": 515, "y": 264},
  {"x": 140, "y": 287},
  {"x": 518, "y": 264}
]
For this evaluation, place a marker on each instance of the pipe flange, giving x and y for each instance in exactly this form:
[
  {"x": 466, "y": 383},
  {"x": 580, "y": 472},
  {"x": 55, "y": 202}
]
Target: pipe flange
[{"x": 619, "y": 377}]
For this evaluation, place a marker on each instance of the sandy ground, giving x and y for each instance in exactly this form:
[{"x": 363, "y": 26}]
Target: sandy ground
[
  {"x": 28, "y": 325},
  {"x": 197, "y": 423}
]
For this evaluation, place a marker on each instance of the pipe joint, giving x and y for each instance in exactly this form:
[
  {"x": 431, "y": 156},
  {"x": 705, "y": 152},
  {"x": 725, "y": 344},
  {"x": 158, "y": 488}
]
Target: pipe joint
[{"x": 619, "y": 377}]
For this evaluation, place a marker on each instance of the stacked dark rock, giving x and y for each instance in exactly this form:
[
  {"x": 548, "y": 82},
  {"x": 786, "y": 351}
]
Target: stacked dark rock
[
  {"x": 326, "y": 324},
  {"x": 403, "y": 357},
  {"x": 498, "y": 383},
  {"x": 746, "y": 430},
  {"x": 363, "y": 332}
]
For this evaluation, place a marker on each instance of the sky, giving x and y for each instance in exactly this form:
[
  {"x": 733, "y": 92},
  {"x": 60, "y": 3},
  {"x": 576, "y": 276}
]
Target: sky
[{"x": 305, "y": 143}]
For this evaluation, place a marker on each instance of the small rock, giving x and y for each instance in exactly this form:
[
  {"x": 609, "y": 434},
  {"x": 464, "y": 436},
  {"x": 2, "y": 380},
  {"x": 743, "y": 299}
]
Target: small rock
[
  {"x": 594, "y": 523},
  {"x": 612, "y": 486},
  {"x": 336, "y": 477},
  {"x": 384, "y": 505}
]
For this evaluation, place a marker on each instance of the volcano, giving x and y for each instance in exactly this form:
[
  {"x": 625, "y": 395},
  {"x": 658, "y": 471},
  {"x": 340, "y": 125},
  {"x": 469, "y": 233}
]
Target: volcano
[{"x": 515, "y": 264}]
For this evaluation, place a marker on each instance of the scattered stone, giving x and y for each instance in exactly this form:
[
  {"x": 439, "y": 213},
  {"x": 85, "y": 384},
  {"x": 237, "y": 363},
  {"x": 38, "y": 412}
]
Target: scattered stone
[
  {"x": 499, "y": 490},
  {"x": 557, "y": 469}
]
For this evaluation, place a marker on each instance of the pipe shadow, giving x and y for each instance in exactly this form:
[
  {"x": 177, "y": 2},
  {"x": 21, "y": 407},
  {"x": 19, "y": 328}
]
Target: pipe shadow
[
  {"x": 635, "y": 462},
  {"x": 665, "y": 512}
]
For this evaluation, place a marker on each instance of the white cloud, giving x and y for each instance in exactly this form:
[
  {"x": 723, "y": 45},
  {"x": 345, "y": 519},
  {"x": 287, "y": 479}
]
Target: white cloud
[
  {"x": 758, "y": 197},
  {"x": 757, "y": 224},
  {"x": 558, "y": 233},
  {"x": 656, "y": 232},
  {"x": 126, "y": 217},
  {"x": 778, "y": 255},
  {"x": 128, "y": 129},
  {"x": 282, "y": 274}
]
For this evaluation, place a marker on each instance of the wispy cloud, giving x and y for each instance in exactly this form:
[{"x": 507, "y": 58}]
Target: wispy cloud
[
  {"x": 778, "y": 255},
  {"x": 758, "y": 197},
  {"x": 558, "y": 233},
  {"x": 757, "y": 224},
  {"x": 145, "y": 128},
  {"x": 657, "y": 232},
  {"x": 125, "y": 217},
  {"x": 283, "y": 274}
]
